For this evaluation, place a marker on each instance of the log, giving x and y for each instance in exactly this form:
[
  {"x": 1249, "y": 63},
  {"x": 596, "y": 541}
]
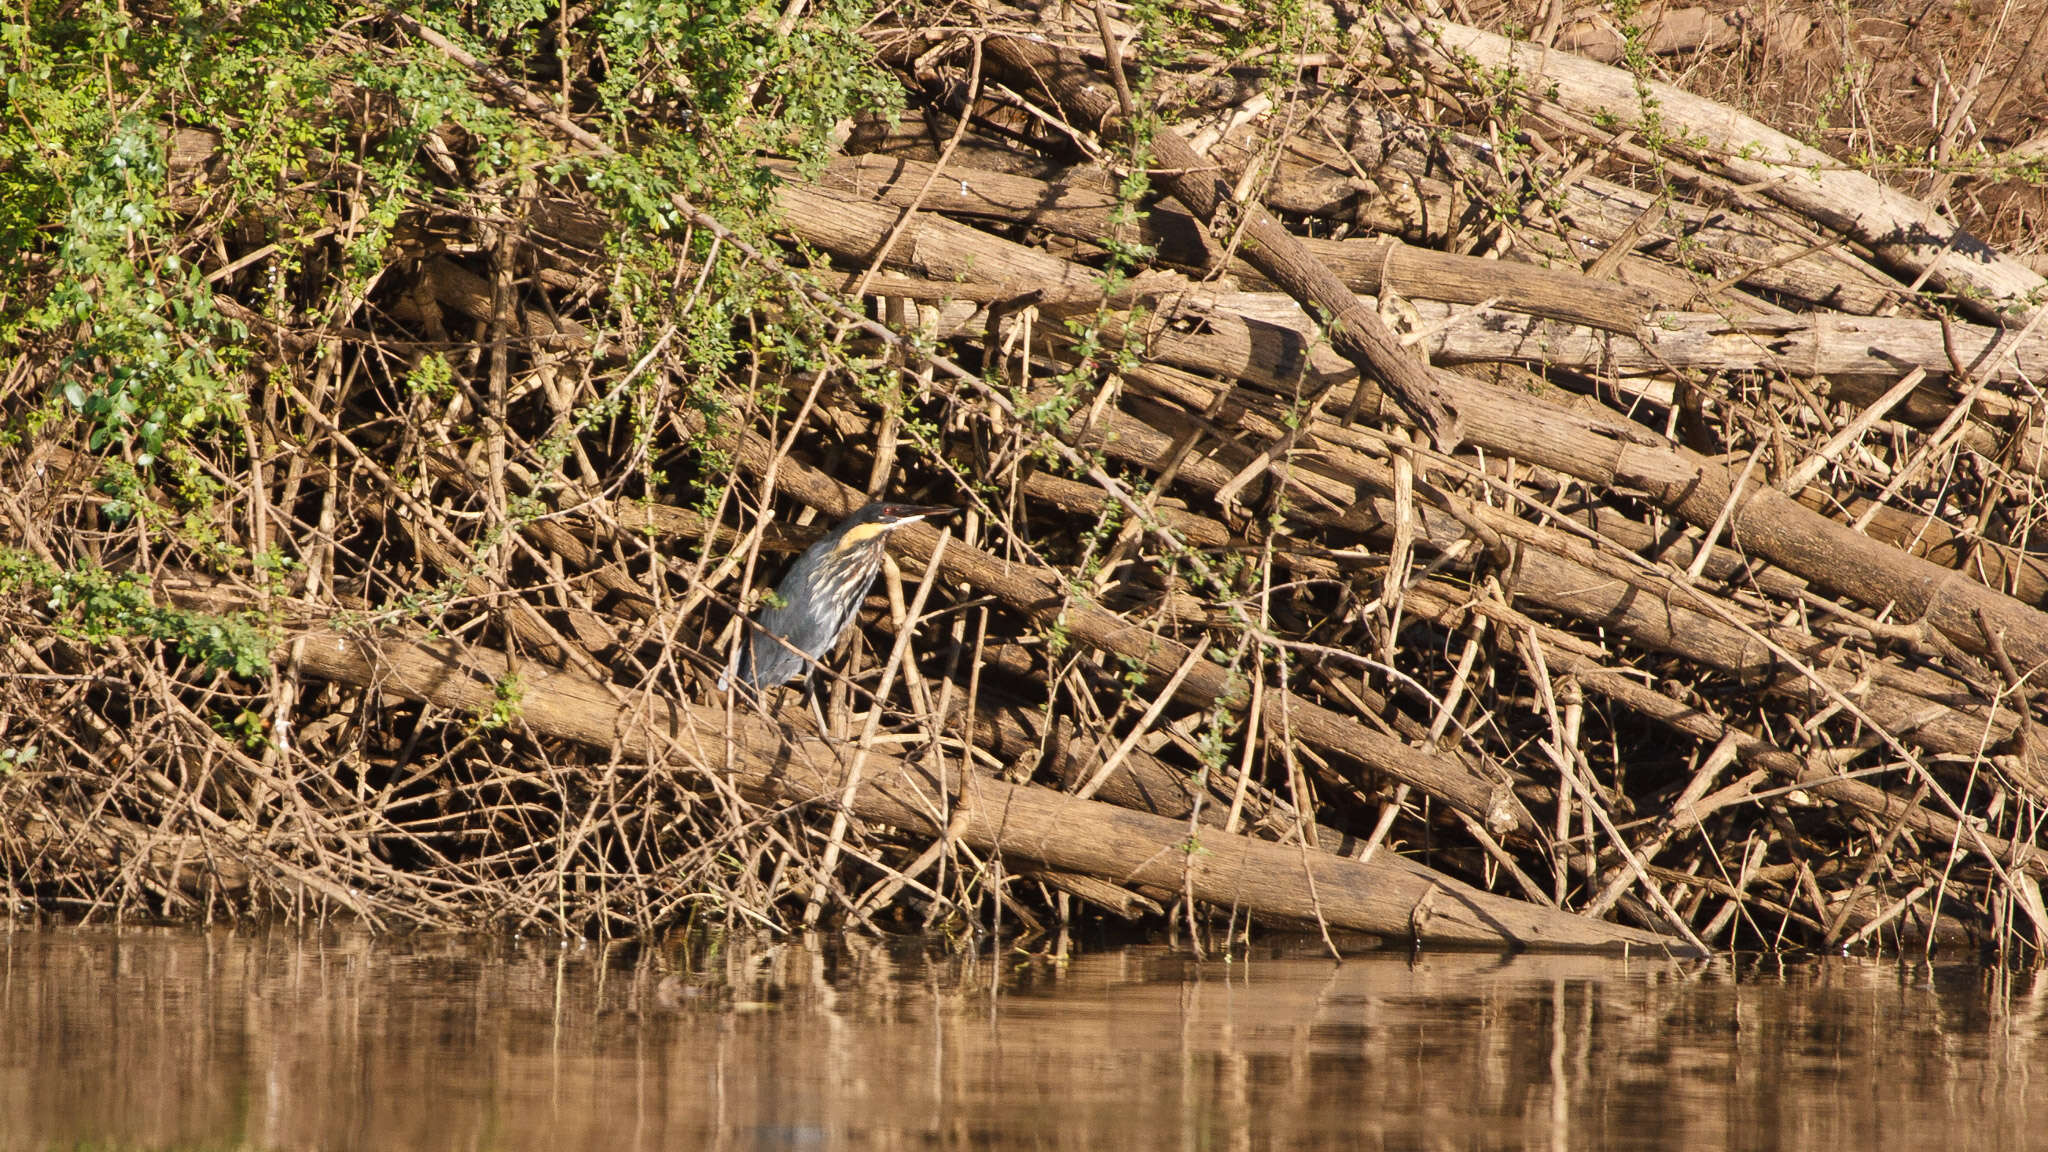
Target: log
[
  {"x": 1042, "y": 597},
  {"x": 1670, "y": 30},
  {"x": 854, "y": 228},
  {"x": 1818, "y": 344},
  {"x": 1356, "y": 331},
  {"x": 1611, "y": 453},
  {"x": 1905, "y": 233},
  {"x": 1386, "y": 896},
  {"x": 1365, "y": 265}
]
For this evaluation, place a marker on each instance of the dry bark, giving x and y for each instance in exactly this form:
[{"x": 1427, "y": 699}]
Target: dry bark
[
  {"x": 1365, "y": 265},
  {"x": 1904, "y": 233},
  {"x": 1355, "y": 331},
  {"x": 1386, "y": 896},
  {"x": 1041, "y": 597},
  {"x": 1677, "y": 625}
]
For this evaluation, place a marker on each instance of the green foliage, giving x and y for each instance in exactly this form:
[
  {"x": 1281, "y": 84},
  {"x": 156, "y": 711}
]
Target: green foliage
[
  {"x": 93, "y": 604},
  {"x": 245, "y": 727},
  {"x": 737, "y": 83},
  {"x": 12, "y": 759},
  {"x": 150, "y": 361},
  {"x": 702, "y": 90},
  {"x": 274, "y": 568},
  {"x": 143, "y": 356},
  {"x": 506, "y": 696},
  {"x": 432, "y": 378},
  {"x": 315, "y": 106}
]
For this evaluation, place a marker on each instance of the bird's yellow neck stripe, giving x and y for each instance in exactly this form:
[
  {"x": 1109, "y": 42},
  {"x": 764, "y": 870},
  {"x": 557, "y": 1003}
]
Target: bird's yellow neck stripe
[{"x": 861, "y": 533}]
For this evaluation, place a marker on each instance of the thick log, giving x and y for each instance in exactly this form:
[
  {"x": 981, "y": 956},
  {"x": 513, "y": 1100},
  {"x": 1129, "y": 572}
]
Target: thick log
[
  {"x": 1365, "y": 265},
  {"x": 1566, "y": 576},
  {"x": 1905, "y": 233},
  {"x": 1611, "y": 453},
  {"x": 1818, "y": 344},
  {"x": 1041, "y": 597},
  {"x": 1386, "y": 896},
  {"x": 855, "y": 227},
  {"x": 1593, "y": 216},
  {"x": 1671, "y": 29},
  {"x": 1356, "y": 331}
]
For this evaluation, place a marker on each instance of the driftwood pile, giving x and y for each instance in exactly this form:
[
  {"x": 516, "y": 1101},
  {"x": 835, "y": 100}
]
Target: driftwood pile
[{"x": 1383, "y": 522}]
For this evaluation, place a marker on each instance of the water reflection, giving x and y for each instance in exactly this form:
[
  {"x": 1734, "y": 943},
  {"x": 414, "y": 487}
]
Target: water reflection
[{"x": 175, "y": 1039}]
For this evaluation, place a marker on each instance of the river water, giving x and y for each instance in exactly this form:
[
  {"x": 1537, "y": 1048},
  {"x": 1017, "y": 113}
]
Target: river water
[{"x": 180, "y": 1039}]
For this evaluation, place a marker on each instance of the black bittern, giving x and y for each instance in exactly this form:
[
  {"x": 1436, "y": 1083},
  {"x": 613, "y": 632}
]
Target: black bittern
[{"x": 823, "y": 591}]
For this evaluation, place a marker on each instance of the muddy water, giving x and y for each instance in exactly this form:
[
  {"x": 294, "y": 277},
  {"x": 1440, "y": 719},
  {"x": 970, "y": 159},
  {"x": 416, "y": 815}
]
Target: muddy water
[{"x": 162, "y": 1039}]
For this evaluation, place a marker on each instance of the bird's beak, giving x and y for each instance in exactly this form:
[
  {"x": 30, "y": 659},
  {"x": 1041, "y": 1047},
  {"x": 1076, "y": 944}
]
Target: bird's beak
[{"x": 916, "y": 512}]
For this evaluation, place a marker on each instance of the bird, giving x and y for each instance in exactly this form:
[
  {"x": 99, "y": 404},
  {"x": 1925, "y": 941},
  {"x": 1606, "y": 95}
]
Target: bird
[{"x": 818, "y": 598}]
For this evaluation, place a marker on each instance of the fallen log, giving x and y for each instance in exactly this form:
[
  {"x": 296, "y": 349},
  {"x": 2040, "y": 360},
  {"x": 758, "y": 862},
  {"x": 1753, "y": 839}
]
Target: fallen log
[
  {"x": 1366, "y": 264},
  {"x": 1821, "y": 344},
  {"x": 1669, "y": 30},
  {"x": 1042, "y": 597},
  {"x": 1356, "y": 331},
  {"x": 1905, "y": 233},
  {"x": 1612, "y": 454},
  {"x": 1385, "y": 896}
]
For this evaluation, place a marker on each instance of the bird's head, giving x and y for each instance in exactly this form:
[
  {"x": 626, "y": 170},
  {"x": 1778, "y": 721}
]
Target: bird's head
[{"x": 882, "y": 518}]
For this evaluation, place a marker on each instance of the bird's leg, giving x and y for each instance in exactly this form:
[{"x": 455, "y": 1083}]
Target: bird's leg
[{"x": 811, "y": 692}]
